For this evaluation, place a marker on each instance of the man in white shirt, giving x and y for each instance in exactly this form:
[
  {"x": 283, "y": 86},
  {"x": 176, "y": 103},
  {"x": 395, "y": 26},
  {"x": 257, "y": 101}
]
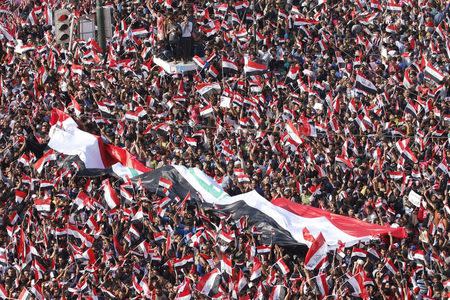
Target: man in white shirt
[{"x": 186, "y": 38}]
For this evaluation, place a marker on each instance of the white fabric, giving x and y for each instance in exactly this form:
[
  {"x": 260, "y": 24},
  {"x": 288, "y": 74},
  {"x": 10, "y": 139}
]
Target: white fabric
[
  {"x": 175, "y": 68},
  {"x": 74, "y": 141}
]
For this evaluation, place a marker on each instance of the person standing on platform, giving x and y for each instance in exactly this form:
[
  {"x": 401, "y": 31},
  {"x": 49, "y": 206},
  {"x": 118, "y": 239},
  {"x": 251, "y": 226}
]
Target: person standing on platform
[
  {"x": 161, "y": 26},
  {"x": 173, "y": 36},
  {"x": 186, "y": 39}
]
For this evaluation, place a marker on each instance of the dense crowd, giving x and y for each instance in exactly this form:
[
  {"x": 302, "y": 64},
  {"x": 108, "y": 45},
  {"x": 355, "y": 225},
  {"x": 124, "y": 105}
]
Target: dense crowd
[{"x": 361, "y": 153}]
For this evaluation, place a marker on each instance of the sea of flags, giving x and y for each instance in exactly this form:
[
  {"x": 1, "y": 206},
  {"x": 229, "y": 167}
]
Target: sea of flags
[{"x": 67, "y": 139}]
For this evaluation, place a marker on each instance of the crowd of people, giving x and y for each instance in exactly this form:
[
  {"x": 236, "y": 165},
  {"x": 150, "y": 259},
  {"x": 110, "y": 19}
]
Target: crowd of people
[{"x": 364, "y": 145}]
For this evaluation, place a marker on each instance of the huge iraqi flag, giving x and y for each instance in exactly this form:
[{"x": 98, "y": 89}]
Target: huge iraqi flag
[
  {"x": 67, "y": 138},
  {"x": 281, "y": 221}
]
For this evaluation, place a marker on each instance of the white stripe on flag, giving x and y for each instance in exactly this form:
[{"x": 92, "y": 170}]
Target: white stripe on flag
[{"x": 77, "y": 142}]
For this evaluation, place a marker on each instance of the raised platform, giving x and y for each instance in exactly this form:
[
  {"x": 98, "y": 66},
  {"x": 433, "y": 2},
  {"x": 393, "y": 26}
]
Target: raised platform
[{"x": 174, "y": 67}]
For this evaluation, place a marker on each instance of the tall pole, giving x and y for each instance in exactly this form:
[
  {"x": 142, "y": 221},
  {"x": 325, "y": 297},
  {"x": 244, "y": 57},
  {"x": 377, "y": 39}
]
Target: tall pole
[
  {"x": 101, "y": 36},
  {"x": 72, "y": 23}
]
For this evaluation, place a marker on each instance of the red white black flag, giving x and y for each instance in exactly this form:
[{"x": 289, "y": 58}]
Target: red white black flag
[
  {"x": 251, "y": 67},
  {"x": 208, "y": 284},
  {"x": 365, "y": 85},
  {"x": 317, "y": 253}
]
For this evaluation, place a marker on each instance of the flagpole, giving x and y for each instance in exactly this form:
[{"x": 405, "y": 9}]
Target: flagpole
[{"x": 101, "y": 36}]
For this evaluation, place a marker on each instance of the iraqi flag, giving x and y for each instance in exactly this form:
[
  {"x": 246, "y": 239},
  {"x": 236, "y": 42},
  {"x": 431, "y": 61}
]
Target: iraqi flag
[
  {"x": 443, "y": 166},
  {"x": 308, "y": 129},
  {"x": 431, "y": 72},
  {"x": 241, "y": 5},
  {"x": 263, "y": 249},
  {"x": 191, "y": 141},
  {"x": 407, "y": 81},
  {"x": 38, "y": 267},
  {"x": 209, "y": 283},
  {"x": 278, "y": 292},
  {"x": 419, "y": 255},
  {"x": 322, "y": 284},
  {"x": 62, "y": 119},
  {"x": 199, "y": 61},
  {"x": 165, "y": 183},
  {"x": 293, "y": 132},
  {"x": 7, "y": 34},
  {"x": 355, "y": 285},
  {"x": 42, "y": 205},
  {"x": 389, "y": 267},
  {"x": 396, "y": 175},
  {"x": 119, "y": 156},
  {"x": 256, "y": 269},
  {"x": 241, "y": 281},
  {"x": 48, "y": 156},
  {"x": 345, "y": 161},
  {"x": 66, "y": 138},
  {"x": 132, "y": 116},
  {"x": 110, "y": 194},
  {"x": 184, "y": 291},
  {"x": 77, "y": 69},
  {"x": 447, "y": 47},
  {"x": 24, "y": 48},
  {"x": 283, "y": 219},
  {"x": 226, "y": 265},
  {"x": 373, "y": 254},
  {"x": 183, "y": 261},
  {"x": 206, "y": 110},
  {"x": 227, "y": 237},
  {"x": 412, "y": 108},
  {"x": 139, "y": 31},
  {"x": 253, "y": 68},
  {"x": 317, "y": 253},
  {"x": 392, "y": 6},
  {"x": 81, "y": 235},
  {"x": 46, "y": 184},
  {"x": 75, "y": 106},
  {"x": 25, "y": 295},
  {"x": 89, "y": 255},
  {"x": 284, "y": 268},
  {"x": 20, "y": 195},
  {"x": 230, "y": 65},
  {"x": 203, "y": 88},
  {"x": 360, "y": 253},
  {"x": 294, "y": 70},
  {"x": 125, "y": 194},
  {"x": 405, "y": 151},
  {"x": 88, "y": 147},
  {"x": 364, "y": 85},
  {"x": 299, "y": 21}
]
